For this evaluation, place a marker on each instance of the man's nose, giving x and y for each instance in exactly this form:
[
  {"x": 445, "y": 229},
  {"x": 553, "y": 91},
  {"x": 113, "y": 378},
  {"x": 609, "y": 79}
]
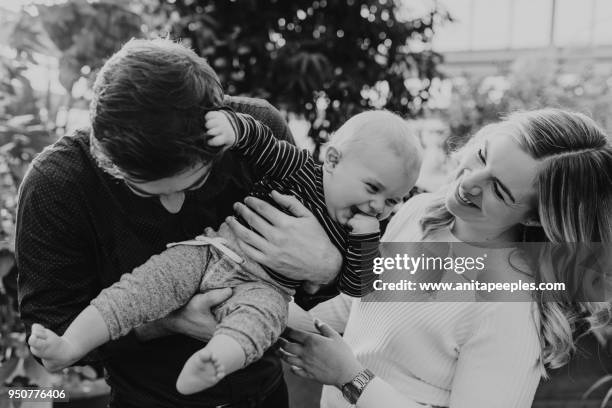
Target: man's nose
[{"x": 172, "y": 202}]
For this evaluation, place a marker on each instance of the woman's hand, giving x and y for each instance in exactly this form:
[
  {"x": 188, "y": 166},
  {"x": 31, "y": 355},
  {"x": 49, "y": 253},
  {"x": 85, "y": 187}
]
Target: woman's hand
[
  {"x": 325, "y": 358},
  {"x": 294, "y": 246}
]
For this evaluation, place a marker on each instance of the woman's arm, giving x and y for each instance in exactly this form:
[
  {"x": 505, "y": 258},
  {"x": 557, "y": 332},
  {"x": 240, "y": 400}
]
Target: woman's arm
[{"x": 326, "y": 358}]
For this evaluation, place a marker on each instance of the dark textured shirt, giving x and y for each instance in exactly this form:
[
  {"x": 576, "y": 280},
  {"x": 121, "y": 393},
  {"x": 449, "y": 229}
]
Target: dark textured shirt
[
  {"x": 289, "y": 170},
  {"x": 79, "y": 229}
]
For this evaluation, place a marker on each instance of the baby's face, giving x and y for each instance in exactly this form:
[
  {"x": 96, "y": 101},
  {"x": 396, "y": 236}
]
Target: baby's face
[{"x": 371, "y": 183}]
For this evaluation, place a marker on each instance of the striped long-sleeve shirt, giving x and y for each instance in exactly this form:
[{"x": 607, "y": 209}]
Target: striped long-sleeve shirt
[{"x": 285, "y": 168}]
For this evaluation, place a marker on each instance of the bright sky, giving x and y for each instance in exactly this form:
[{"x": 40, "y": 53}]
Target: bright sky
[
  {"x": 15, "y": 5},
  {"x": 494, "y": 24}
]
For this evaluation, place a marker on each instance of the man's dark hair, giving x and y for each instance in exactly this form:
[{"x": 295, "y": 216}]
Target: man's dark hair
[{"x": 148, "y": 109}]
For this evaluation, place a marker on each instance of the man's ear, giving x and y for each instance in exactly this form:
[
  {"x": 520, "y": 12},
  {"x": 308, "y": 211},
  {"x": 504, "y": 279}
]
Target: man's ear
[{"x": 331, "y": 159}]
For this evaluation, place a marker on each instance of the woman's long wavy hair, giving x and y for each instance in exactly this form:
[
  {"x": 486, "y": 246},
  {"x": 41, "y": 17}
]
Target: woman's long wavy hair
[{"x": 574, "y": 205}]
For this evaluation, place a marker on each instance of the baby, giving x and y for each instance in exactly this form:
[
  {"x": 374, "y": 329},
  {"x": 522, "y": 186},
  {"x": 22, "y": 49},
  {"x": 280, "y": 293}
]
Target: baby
[{"x": 371, "y": 164}]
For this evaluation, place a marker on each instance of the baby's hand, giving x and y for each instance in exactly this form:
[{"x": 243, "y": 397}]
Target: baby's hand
[
  {"x": 220, "y": 130},
  {"x": 363, "y": 224}
]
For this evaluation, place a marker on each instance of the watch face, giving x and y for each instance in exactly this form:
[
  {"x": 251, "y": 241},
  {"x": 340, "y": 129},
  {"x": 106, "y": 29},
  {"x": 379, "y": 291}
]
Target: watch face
[{"x": 350, "y": 392}]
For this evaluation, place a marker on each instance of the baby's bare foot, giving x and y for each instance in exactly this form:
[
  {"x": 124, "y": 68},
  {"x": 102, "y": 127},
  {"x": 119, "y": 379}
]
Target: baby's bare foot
[
  {"x": 54, "y": 351},
  {"x": 201, "y": 371}
]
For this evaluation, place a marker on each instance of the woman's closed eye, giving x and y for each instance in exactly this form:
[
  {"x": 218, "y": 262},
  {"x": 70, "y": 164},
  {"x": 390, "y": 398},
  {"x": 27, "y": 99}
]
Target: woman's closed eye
[
  {"x": 481, "y": 156},
  {"x": 494, "y": 185},
  {"x": 497, "y": 192}
]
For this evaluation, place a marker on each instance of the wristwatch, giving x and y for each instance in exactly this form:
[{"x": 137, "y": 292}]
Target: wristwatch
[{"x": 352, "y": 390}]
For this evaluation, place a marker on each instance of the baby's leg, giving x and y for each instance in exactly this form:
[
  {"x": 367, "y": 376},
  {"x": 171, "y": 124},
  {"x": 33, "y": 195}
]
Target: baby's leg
[
  {"x": 84, "y": 334},
  {"x": 222, "y": 355},
  {"x": 250, "y": 322},
  {"x": 162, "y": 284},
  {"x": 54, "y": 351}
]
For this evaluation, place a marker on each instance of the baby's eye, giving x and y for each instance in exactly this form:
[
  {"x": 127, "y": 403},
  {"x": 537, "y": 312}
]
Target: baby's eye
[
  {"x": 371, "y": 188},
  {"x": 391, "y": 202}
]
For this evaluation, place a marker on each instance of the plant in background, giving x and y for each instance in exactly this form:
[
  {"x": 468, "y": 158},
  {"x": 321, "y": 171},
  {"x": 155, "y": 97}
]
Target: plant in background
[
  {"x": 323, "y": 59},
  {"x": 530, "y": 83},
  {"x": 79, "y": 36}
]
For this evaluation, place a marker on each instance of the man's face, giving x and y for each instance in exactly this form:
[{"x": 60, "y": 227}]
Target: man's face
[{"x": 171, "y": 190}]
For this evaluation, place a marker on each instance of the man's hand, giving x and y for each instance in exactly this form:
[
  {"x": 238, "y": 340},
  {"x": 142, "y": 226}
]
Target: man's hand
[
  {"x": 195, "y": 319},
  {"x": 220, "y": 129},
  {"x": 294, "y": 246},
  {"x": 363, "y": 224}
]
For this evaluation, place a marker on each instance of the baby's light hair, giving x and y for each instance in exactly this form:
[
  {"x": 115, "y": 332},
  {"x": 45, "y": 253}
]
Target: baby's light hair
[{"x": 377, "y": 129}]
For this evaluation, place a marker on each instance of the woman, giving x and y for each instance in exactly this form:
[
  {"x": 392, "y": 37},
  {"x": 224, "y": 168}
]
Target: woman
[{"x": 539, "y": 175}]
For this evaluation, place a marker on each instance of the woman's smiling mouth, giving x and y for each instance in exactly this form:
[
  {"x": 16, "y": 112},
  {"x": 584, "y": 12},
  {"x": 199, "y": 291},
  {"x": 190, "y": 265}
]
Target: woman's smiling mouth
[{"x": 461, "y": 197}]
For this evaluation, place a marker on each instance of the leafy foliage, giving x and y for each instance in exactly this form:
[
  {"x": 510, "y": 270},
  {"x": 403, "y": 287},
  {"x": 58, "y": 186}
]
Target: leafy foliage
[
  {"x": 531, "y": 83},
  {"x": 86, "y": 34},
  {"x": 325, "y": 59},
  {"x": 81, "y": 35}
]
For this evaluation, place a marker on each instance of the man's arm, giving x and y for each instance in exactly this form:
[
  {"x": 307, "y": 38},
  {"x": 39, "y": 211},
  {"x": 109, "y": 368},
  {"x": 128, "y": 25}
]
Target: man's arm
[{"x": 57, "y": 276}]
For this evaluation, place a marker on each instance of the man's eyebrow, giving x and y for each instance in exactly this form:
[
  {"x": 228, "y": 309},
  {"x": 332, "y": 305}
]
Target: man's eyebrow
[
  {"x": 200, "y": 179},
  {"x": 501, "y": 185},
  {"x": 138, "y": 190}
]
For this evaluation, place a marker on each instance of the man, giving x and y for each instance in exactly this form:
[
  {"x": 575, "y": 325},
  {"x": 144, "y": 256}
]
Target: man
[{"x": 100, "y": 203}]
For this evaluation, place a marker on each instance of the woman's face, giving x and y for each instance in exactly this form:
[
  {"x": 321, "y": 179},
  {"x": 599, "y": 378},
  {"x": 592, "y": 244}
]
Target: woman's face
[{"x": 494, "y": 188}]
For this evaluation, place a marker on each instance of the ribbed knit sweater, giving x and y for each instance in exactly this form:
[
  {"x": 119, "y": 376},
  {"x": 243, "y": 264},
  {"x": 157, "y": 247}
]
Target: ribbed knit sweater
[{"x": 451, "y": 354}]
